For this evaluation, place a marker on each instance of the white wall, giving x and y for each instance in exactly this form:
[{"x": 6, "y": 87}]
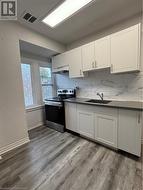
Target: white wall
[
  {"x": 13, "y": 127},
  {"x": 35, "y": 117}
]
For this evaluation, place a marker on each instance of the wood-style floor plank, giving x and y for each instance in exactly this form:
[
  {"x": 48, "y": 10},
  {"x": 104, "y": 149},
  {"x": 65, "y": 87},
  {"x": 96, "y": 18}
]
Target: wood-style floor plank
[{"x": 62, "y": 161}]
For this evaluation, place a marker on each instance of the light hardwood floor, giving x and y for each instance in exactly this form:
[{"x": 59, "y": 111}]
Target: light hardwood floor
[{"x": 55, "y": 161}]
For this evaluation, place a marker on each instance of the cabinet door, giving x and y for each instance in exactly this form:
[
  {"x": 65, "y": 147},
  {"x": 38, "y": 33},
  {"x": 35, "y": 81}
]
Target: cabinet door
[
  {"x": 55, "y": 63},
  {"x": 85, "y": 123},
  {"x": 71, "y": 116},
  {"x": 88, "y": 57},
  {"x": 106, "y": 129},
  {"x": 125, "y": 50},
  {"x": 129, "y": 132},
  {"x": 59, "y": 61},
  {"x": 102, "y": 53},
  {"x": 75, "y": 63}
]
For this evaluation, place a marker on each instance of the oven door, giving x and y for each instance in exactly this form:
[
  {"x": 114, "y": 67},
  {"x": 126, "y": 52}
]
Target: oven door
[{"x": 55, "y": 115}]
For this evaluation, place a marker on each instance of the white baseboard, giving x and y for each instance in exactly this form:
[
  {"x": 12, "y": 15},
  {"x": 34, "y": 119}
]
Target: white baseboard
[
  {"x": 14, "y": 145},
  {"x": 38, "y": 125}
]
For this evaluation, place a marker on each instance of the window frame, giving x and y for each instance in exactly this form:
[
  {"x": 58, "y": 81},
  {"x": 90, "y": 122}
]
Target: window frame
[{"x": 52, "y": 80}]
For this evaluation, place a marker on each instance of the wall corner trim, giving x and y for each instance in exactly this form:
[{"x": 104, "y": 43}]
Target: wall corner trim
[{"x": 14, "y": 145}]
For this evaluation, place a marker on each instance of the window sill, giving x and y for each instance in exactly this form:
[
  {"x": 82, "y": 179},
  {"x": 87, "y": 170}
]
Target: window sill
[{"x": 34, "y": 108}]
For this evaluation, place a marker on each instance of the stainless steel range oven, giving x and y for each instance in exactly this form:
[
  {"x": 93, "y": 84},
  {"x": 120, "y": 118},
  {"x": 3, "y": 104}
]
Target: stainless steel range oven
[{"x": 55, "y": 111}]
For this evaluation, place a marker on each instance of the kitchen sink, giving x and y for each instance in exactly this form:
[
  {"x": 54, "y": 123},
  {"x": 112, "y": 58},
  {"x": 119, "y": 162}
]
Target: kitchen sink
[{"x": 99, "y": 101}]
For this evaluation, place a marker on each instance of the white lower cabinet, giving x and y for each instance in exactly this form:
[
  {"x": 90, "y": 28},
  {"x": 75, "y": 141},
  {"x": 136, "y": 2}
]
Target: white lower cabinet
[
  {"x": 129, "y": 131},
  {"x": 98, "y": 123},
  {"x": 106, "y": 129},
  {"x": 85, "y": 123},
  {"x": 106, "y": 125},
  {"x": 71, "y": 116},
  {"x": 117, "y": 128}
]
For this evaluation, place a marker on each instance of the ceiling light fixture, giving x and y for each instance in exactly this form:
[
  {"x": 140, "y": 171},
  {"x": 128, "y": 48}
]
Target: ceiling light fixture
[{"x": 64, "y": 11}]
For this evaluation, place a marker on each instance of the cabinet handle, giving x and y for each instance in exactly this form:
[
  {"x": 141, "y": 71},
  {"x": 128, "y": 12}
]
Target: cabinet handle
[
  {"x": 111, "y": 67},
  {"x": 93, "y": 64},
  {"x": 139, "y": 118},
  {"x": 80, "y": 72},
  {"x": 59, "y": 67}
]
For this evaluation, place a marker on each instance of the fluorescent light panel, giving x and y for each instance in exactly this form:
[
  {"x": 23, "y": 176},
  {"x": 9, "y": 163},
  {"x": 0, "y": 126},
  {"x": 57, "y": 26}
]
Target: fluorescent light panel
[{"x": 64, "y": 11}]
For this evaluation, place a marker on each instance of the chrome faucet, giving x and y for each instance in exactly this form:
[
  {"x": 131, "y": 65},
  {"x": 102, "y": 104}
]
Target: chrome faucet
[{"x": 101, "y": 95}]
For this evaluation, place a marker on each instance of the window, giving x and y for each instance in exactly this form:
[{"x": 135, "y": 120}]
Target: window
[
  {"x": 46, "y": 81},
  {"x": 32, "y": 83},
  {"x": 27, "y": 84}
]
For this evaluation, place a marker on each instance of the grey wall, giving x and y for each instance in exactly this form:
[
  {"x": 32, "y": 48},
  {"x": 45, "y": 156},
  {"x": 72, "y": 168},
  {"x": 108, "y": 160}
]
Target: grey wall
[{"x": 13, "y": 127}]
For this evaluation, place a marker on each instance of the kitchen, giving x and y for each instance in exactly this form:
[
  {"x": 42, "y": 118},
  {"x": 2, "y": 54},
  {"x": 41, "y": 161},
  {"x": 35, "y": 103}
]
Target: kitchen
[{"x": 84, "y": 97}]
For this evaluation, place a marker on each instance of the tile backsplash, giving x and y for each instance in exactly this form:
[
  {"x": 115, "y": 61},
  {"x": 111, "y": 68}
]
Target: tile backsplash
[{"x": 119, "y": 86}]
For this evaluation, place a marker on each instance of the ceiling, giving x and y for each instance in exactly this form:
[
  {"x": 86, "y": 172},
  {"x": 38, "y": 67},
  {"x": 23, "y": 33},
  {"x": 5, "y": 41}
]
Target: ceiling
[{"x": 96, "y": 16}]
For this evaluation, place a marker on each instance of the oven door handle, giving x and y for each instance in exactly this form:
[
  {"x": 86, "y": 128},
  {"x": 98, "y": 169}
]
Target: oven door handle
[{"x": 57, "y": 104}]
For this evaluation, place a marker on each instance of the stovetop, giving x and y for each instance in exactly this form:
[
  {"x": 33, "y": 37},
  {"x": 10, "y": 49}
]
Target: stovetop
[
  {"x": 58, "y": 98},
  {"x": 62, "y": 94}
]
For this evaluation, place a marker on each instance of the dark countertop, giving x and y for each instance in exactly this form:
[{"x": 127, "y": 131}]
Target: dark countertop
[{"x": 132, "y": 105}]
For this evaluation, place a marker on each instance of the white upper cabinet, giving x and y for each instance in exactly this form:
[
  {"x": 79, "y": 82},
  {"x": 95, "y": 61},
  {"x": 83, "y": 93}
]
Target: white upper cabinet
[
  {"x": 96, "y": 55},
  {"x": 55, "y": 62},
  {"x": 125, "y": 50},
  {"x": 88, "y": 57},
  {"x": 120, "y": 51},
  {"x": 75, "y": 63},
  {"x": 102, "y": 53},
  {"x": 59, "y": 61}
]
